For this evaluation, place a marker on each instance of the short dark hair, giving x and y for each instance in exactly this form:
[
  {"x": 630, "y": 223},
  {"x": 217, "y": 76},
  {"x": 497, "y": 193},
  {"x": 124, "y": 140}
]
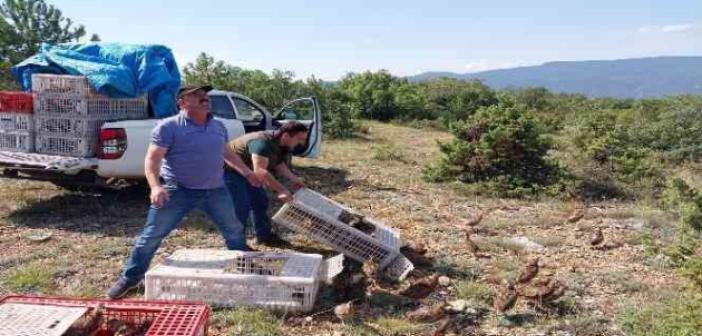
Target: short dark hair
[{"x": 292, "y": 128}]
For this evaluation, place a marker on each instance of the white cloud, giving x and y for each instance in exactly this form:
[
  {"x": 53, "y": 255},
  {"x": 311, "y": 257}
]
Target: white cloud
[{"x": 675, "y": 28}]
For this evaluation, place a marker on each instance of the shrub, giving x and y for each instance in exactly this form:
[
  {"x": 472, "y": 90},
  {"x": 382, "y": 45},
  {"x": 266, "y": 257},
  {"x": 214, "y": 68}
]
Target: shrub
[
  {"x": 675, "y": 316},
  {"x": 499, "y": 147}
]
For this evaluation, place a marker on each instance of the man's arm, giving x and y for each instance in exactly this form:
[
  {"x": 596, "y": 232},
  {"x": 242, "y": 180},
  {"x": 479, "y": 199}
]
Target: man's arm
[
  {"x": 152, "y": 166},
  {"x": 260, "y": 164},
  {"x": 233, "y": 160},
  {"x": 284, "y": 170}
]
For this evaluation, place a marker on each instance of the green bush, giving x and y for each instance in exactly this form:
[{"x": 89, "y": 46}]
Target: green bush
[
  {"x": 337, "y": 114},
  {"x": 680, "y": 315},
  {"x": 608, "y": 163},
  {"x": 500, "y": 148}
]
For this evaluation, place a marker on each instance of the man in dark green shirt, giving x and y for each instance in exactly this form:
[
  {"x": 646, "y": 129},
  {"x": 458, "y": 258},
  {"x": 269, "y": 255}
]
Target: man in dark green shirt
[{"x": 262, "y": 154}]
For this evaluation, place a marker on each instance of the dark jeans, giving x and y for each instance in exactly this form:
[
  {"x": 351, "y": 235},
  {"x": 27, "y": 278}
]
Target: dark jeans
[
  {"x": 249, "y": 199},
  {"x": 216, "y": 203}
]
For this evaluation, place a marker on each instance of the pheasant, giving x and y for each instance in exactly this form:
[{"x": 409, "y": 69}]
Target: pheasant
[
  {"x": 422, "y": 287},
  {"x": 475, "y": 220},
  {"x": 529, "y": 271},
  {"x": 427, "y": 314},
  {"x": 505, "y": 300},
  {"x": 345, "y": 311},
  {"x": 576, "y": 215},
  {"x": 597, "y": 237}
]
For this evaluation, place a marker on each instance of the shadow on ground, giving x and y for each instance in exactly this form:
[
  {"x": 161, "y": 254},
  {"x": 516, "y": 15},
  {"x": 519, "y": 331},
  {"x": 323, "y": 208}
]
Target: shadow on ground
[
  {"x": 328, "y": 181},
  {"x": 107, "y": 212},
  {"x": 122, "y": 213}
]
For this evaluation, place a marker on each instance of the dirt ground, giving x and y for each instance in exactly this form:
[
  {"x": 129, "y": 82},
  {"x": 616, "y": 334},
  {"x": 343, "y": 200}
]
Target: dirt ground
[{"x": 66, "y": 243}]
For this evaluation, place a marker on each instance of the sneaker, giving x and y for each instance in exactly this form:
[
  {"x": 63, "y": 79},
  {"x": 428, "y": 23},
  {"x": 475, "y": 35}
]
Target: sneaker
[
  {"x": 121, "y": 288},
  {"x": 271, "y": 240}
]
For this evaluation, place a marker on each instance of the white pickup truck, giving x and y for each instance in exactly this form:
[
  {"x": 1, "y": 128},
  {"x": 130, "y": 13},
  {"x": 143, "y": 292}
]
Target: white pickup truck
[{"x": 122, "y": 145}]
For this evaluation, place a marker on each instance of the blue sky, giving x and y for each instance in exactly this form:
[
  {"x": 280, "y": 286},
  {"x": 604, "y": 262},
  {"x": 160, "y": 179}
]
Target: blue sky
[{"x": 329, "y": 38}]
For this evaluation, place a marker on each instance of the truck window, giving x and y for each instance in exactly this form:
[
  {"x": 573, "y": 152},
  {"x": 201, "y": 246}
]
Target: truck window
[
  {"x": 247, "y": 111},
  {"x": 221, "y": 106}
]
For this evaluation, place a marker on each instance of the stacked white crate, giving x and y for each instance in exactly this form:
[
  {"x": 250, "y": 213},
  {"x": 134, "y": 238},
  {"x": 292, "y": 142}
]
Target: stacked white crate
[
  {"x": 69, "y": 112},
  {"x": 16, "y": 131},
  {"x": 286, "y": 281}
]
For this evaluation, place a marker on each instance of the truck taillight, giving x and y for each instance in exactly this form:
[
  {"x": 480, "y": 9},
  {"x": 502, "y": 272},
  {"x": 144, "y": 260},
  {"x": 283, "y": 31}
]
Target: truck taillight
[{"x": 112, "y": 143}]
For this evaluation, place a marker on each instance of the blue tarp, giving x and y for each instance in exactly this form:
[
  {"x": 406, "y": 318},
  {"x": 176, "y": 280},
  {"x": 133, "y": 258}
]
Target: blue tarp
[{"x": 115, "y": 70}]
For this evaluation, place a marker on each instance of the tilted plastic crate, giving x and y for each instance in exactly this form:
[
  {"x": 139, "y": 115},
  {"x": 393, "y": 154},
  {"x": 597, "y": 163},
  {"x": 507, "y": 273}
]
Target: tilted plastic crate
[
  {"x": 320, "y": 218},
  {"x": 283, "y": 281},
  {"x": 65, "y": 145},
  {"x": 48, "y": 316},
  {"x": 17, "y": 141}
]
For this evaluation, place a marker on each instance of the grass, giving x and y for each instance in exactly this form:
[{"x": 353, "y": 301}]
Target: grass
[
  {"x": 34, "y": 277},
  {"x": 396, "y": 326},
  {"x": 586, "y": 325},
  {"x": 248, "y": 322},
  {"x": 622, "y": 282},
  {"x": 505, "y": 269},
  {"x": 93, "y": 235},
  {"x": 679, "y": 314},
  {"x": 388, "y": 152},
  {"x": 474, "y": 291}
]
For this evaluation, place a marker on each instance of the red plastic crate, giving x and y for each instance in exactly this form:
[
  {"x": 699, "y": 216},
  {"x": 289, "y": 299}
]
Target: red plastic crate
[
  {"x": 168, "y": 318},
  {"x": 12, "y": 101}
]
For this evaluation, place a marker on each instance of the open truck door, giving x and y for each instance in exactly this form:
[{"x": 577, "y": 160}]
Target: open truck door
[{"x": 305, "y": 111}]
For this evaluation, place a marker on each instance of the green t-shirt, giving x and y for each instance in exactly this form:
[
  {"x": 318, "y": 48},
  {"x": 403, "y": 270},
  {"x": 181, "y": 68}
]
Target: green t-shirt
[
  {"x": 260, "y": 147},
  {"x": 259, "y": 143}
]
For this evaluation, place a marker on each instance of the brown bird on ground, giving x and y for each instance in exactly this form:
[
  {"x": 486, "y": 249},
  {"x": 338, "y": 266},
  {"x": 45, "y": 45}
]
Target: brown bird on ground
[
  {"x": 608, "y": 246},
  {"x": 345, "y": 311},
  {"x": 416, "y": 247},
  {"x": 558, "y": 290},
  {"x": 88, "y": 323},
  {"x": 597, "y": 237},
  {"x": 443, "y": 327},
  {"x": 475, "y": 220},
  {"x": 370, "y": 268},
  {"x": 576, "y": 215},
  {"x": 417, "y": 259},
  {"x": 427, "y": 314},
  {"x": 529, "y": 271},
  {"x": 473, "y": 247},
  {"x": 422, "y": 287},
  {"x": 121, "y": 328},
  {"x": 505, "y": 300}
]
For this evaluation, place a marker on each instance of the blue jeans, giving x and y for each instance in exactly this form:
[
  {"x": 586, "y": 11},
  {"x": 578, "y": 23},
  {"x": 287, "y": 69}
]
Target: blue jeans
[
  {"x": 248, "y": 199},
  {"x": 216, "y": 203}
]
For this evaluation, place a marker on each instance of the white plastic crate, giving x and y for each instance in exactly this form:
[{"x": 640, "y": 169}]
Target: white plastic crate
[
  {"x": 63, "y": 84},
  {"x": 65, "y": 145},
  {"x": 399, "y": 268},
  {"x": 62, "y": 105},
  {"x": 283, "y": 281},
  {"x": 20, "y": 319},
  {"x": 76, "y": 127},
  {"x": 15, "y": 121},
  {"x": 17, "y": 141},
  {"x": 317, "y": 217}
]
